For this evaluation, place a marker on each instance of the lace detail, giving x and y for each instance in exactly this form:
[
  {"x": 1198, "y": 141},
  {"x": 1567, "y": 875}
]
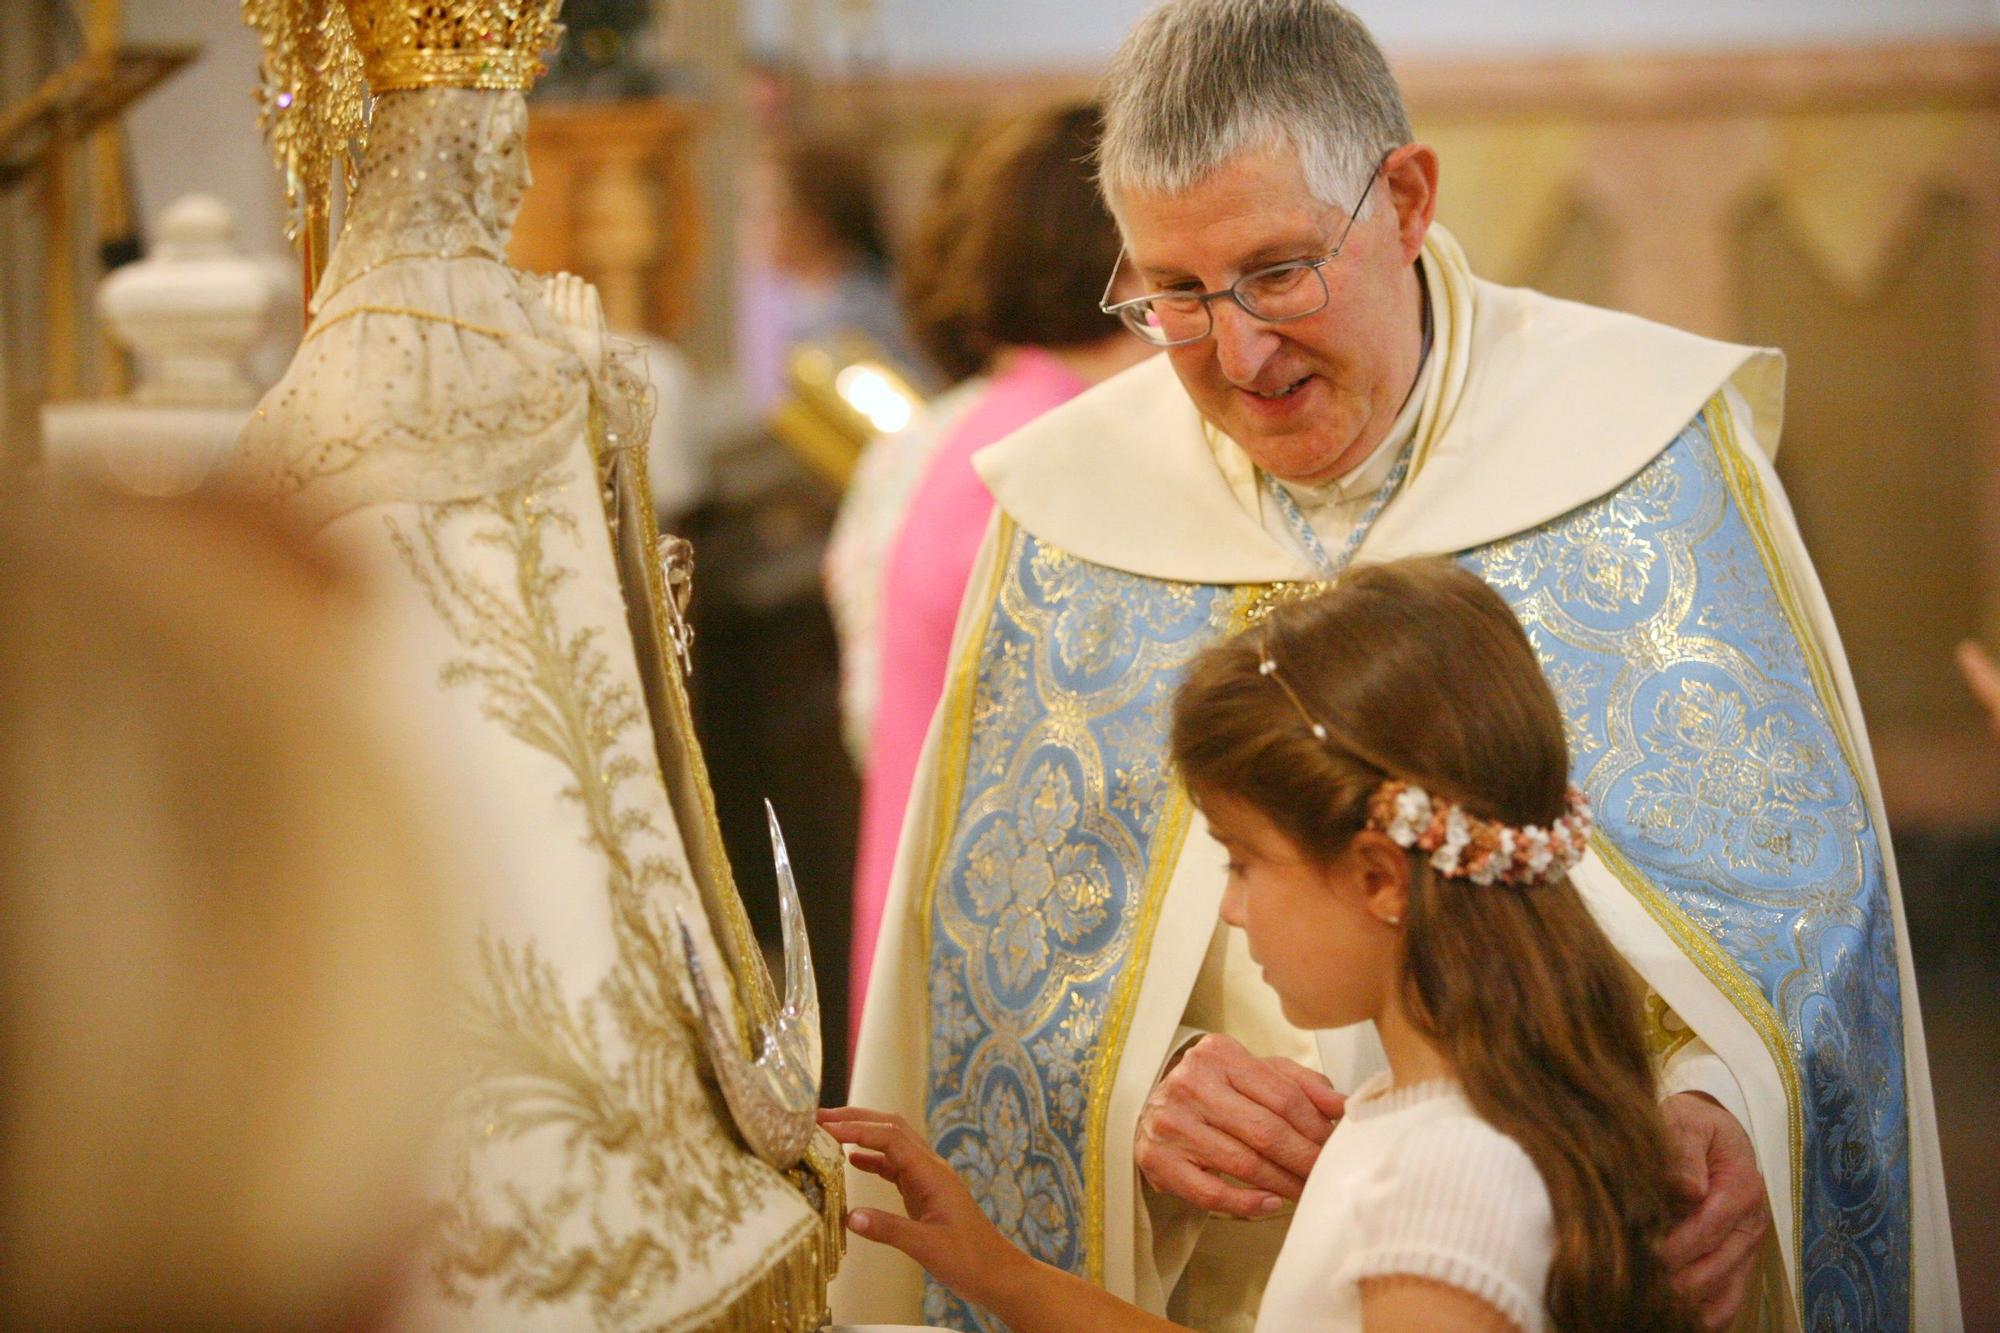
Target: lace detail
[
  {"x": 434, "y": 371},
  {"x": 444, "y": 175}
]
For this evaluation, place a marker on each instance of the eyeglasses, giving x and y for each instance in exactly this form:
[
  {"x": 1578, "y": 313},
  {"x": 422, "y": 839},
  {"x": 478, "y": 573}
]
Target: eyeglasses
[{"x": 1282, "y": 292}]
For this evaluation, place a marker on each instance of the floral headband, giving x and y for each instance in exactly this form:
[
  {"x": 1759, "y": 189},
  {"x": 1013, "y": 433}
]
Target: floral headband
[
  {"x": 1461, "y": 845},
  {"x": 1485, "y": 851}
]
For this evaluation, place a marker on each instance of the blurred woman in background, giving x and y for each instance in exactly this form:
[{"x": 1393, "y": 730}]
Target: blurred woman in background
[
  {"x": 817, "y": 202},
  {"x": 1027, "y": 272},
  {"x": 942, "y": 311}
]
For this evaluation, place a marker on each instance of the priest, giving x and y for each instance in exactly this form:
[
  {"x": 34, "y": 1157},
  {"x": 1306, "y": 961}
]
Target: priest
[{"x": 1052, "y": 1000}]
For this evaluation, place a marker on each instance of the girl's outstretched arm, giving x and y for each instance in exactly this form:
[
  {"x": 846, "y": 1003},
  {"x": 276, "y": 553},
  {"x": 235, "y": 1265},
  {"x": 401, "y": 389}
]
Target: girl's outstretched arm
[{"x": 948, "y": 1235}]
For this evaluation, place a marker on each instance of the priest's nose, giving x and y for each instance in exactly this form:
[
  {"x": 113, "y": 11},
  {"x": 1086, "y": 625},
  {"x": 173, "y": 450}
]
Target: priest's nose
[{"x": 1243, "y": 343}]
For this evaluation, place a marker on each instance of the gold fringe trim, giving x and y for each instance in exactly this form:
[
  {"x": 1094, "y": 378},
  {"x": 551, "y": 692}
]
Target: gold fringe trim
[{"x": 789, "y": 1297}]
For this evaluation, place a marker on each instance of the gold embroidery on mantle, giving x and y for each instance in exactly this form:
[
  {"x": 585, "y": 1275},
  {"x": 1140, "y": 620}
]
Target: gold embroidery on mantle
[
  {"x": 1666, "y": 1031},
  {"x": 617, "y": 1072}
]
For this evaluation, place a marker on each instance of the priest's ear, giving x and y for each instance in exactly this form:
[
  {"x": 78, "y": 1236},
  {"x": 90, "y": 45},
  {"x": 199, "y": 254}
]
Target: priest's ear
[{"x": 1410, "y": 178}]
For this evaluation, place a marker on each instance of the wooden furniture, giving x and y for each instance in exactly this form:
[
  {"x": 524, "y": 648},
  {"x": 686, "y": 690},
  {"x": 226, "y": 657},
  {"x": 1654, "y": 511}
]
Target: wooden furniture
[{"x": 614, "y": 200}]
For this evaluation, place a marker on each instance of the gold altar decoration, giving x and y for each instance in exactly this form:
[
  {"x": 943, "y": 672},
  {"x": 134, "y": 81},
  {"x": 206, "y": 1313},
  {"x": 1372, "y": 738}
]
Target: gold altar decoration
[
  {"x": 839, "y": 396},
  {"x": 493, "y": 44},
  {"x": 323, "y": 59}
]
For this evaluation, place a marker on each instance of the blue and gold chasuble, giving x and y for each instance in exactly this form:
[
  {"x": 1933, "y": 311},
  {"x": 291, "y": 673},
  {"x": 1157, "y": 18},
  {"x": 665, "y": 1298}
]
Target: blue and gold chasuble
[{"x": 1701, "y": 718}]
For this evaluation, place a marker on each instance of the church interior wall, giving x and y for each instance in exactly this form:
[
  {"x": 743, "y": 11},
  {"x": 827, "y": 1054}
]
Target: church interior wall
[{"x": 1024, "y": 34}]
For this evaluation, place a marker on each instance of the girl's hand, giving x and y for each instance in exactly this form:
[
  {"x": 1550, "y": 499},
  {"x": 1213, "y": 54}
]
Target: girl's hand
[{"x": 945, "y": 1231}]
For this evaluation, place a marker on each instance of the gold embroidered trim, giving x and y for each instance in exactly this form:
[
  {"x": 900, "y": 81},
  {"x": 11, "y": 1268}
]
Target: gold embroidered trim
[
  {"x": 1666, "y": 1031},
  {"x": 408, "y": 312},
  {"x": 1736, "y": 984},
  {"x": 1175, "y": 820},
  {"x": 787, "y": 1297},
  {"x": 956, "y": 741},
  {"x": 1746, "y": 485},
  {"x": 1747, "y": 488},
  {"x": 823, "y": 1163},
  {"x": 713, "y": 872},
  {"x": 1252, "y": 603},
  {"x": 1260, "y": 600},
  {"x": 542, "y": 1061}
]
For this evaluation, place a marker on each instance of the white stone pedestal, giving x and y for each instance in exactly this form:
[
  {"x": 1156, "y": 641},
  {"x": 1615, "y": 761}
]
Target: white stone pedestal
[{"x": 191, "y": 312}]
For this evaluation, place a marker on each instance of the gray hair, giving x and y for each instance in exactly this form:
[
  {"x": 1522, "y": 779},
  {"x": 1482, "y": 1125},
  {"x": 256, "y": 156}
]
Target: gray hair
[{"x": 1199, "y": 81}]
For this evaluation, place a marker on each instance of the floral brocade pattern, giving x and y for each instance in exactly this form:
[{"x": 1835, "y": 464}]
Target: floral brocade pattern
[
  {"x": 1700, "y": 726},
  {"x": 590, "y": 1162},
  {"x": 1720, "y": 774},
  {"x": 1036, "y": 913}
]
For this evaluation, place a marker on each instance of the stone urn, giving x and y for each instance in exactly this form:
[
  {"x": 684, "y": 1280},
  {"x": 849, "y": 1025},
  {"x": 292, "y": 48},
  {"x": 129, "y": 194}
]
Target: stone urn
[{"x": 192, "y": 311}]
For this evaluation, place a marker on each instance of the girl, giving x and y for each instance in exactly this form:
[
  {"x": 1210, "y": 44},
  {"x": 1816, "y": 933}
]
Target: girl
[{"x": 1385, "y": 766}]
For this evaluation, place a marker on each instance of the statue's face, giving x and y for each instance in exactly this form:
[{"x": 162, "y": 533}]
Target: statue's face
[
  {"x": 510, "y": 177},
  {"x": 1307, "y": 399}
]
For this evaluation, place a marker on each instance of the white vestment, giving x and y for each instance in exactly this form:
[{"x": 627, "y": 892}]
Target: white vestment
[{"x": 1536, "y": 414}]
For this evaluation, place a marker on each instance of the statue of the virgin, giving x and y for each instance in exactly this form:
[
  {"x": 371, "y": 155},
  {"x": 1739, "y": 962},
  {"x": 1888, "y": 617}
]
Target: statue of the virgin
[{"x": 630, "y": 1142}]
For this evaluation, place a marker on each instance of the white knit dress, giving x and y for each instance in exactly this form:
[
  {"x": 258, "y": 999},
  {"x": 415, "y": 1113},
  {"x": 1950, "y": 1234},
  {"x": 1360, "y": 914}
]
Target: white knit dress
[{"x": 1413, "y": 1182}]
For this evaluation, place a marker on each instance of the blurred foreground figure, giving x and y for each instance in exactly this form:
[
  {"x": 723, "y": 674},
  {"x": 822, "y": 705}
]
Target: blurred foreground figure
[
  {"x": 219, "y": 932},
  {"x": 469, "y": 435}
]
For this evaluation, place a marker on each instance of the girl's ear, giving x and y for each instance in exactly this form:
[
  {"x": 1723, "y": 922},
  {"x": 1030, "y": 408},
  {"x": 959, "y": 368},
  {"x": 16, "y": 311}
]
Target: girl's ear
[{"x": 1385, "y": 875}]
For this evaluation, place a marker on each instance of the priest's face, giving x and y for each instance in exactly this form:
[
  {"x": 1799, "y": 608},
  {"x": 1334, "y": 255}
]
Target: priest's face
[{"x": 1310, "y": 398}]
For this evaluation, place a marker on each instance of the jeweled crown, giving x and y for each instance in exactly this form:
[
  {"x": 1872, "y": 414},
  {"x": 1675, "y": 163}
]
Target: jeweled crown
[{"x": 453, "y": 43}]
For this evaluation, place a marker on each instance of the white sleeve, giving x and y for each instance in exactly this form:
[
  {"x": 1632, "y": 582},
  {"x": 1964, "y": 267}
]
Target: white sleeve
[
  {"x": 1696, "y": 1068},
  {"x": 1460, "y": 1203}
]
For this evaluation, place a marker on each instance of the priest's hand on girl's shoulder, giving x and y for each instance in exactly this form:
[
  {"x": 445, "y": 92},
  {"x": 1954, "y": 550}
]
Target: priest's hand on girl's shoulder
[
  {"x": 945, "y": 1231},
  {"x": 1234, "y": 1133},
  {"x": 1713, "y": 1250}
]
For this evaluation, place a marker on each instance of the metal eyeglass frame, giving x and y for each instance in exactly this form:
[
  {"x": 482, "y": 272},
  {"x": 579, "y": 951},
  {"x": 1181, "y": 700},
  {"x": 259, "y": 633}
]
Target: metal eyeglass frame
[{"x": 1128, "y": 311}]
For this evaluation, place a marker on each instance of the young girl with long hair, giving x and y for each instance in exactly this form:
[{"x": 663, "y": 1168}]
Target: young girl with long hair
[{"x": 1385, "y": 766}]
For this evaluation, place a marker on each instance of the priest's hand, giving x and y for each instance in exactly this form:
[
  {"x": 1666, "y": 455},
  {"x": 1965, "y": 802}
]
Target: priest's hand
[
  {"x": 1232, "y": 1133},
  {"x": 1713, "y": 1252},
  {"x": 945, "y": 1231}
]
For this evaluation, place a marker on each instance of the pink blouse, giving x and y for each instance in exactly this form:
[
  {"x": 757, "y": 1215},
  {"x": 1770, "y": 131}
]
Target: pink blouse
[{"x": 922, "y": 586}]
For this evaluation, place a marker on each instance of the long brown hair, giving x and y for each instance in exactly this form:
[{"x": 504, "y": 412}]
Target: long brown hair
[
  {"x": 1417, "y": 670},
  {"x": 1016, "y": 244}
]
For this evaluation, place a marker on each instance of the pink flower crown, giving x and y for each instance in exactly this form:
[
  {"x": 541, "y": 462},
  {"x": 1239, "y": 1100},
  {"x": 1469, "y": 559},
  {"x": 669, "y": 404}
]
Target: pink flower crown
[
  {"x": 1485, "y": 851},
  {"x": 1461, "y": 846}
]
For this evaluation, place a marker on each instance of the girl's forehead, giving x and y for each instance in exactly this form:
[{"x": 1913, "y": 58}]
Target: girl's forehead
[{"x": 1233, "y": 820}]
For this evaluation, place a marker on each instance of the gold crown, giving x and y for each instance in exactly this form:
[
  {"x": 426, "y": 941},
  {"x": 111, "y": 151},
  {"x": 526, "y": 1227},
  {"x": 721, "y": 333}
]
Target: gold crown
[{"x": 453, "y": 43}]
